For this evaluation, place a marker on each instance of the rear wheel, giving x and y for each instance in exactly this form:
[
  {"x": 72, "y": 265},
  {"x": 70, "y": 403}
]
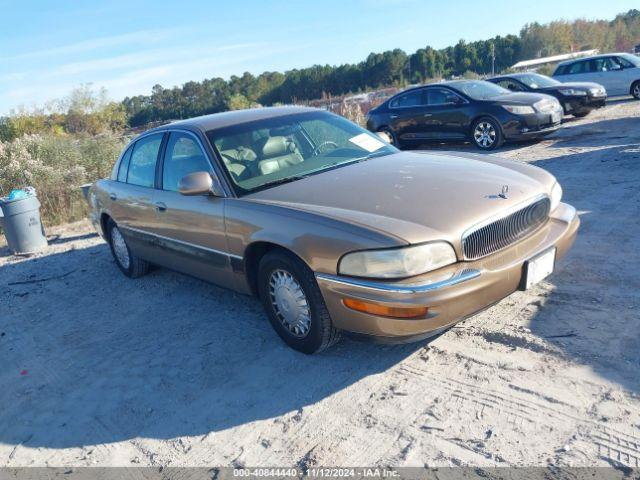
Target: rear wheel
[
  {"x": 294, "y": 303},
  {"x": 486, "y": 134},
  {"x": 131, "y": 265},
  {"x": 635, "y": 89},
  {"x": 392, "y": 137}
]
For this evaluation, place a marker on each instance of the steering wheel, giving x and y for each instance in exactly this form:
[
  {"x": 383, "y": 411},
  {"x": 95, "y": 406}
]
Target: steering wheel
[{"x": 318, "y": 149}]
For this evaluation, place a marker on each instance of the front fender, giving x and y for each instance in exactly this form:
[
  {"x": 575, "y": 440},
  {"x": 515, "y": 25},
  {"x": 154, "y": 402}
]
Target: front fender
[{"x": 317, "y": 239}]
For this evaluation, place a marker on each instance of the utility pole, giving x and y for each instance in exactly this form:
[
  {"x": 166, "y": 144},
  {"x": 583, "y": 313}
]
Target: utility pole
[{"x": 493, "y": 59}]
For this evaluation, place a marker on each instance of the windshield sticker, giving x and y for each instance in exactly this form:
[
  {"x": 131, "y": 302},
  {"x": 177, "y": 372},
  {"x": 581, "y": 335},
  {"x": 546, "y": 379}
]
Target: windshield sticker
[{"x": 367, "y": 142}]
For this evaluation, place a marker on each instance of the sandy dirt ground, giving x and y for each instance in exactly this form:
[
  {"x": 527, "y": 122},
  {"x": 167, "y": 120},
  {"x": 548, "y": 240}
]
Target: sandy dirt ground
[{"x": 97, "y": 369}]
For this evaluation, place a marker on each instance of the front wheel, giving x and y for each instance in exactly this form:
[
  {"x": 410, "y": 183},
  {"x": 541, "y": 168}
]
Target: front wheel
[
  {"x": 486, "y": 134},
  {"x": 635, "y": 89},
  {"x": 581, "y": 114},
  {"x": 294, "y": 303}
]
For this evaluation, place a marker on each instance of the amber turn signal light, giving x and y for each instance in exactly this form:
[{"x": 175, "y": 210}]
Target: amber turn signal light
[{"x": 385, "y": 311}]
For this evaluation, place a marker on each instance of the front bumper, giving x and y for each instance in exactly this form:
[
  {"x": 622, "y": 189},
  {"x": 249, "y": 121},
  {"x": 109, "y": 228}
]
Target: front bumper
[
  {"x": 522, "y": 127},
  {"x": 451, "y": 293},
  {"x": 582, "y": 104}
]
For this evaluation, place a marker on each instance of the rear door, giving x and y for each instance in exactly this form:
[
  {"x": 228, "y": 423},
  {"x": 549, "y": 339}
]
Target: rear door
[
  {"x": 131, "y": 197},
  {"x": 446, "y": 116},
  {"x": 189, "y": 230},
  {"x": 405, "y": 114}
]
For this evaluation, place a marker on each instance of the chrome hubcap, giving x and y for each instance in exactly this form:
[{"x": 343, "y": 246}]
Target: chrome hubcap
[
  {"x": 120, "y": 248},
  {"x": 290, "y": 303},
  {"x": 636, "y": 90},
  {"x": 484, "y": 134}
]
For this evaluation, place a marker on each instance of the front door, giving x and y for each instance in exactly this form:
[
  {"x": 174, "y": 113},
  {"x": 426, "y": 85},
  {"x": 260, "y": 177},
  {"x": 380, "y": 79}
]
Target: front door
[
  {"x": 189, "y": 230},
  {"x": 610, "y": 74}
]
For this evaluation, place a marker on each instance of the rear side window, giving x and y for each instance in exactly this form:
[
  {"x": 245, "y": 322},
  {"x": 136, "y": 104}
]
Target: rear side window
[
  {"x": 183, "y": 156},
  {"x": 410, "y": 99},
  {"x": 578, "y": 67},
  {"x": 142, "y": 166},
  {"x": 123, "y": 169}
]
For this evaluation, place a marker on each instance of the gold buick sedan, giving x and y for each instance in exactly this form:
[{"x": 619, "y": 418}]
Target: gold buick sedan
[{"x": 331, "y": 227}]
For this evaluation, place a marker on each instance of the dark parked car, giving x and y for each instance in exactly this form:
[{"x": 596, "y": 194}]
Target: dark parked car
[
  {"x": 576, "y": 98},
  {"x": 481, "y": 112}
]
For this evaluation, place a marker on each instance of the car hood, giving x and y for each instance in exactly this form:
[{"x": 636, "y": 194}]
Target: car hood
[
  {"x": 417, "y": 197},
  {"x": 520, "y": 98}
]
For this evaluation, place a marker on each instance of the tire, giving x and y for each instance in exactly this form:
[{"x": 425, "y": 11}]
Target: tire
[
  {"x": 486, "y": 134},
  {"x": 128, "y": 263},
  {"x": 581, "y": 114},
  {"x": 392, "y": 136},
  {"x": 281, "y": 271},
  {"x": 635, "y": 90}
]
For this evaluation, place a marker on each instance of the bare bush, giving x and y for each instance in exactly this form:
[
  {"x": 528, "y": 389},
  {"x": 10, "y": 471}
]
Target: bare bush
[{"x": 56, "y": 166}]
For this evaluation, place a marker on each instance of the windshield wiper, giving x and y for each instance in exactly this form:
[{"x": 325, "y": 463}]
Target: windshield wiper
[
  {"x": 369, "y": 156},
  {"x": 284, "y": 180}
]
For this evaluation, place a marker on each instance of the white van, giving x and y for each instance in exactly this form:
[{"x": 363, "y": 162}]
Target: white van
[{"x": 619, "y": 73}]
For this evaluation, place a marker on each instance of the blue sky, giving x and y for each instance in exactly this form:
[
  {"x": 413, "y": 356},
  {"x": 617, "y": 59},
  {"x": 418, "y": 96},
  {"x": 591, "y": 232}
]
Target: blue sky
[{"x": 49, "y": 47}]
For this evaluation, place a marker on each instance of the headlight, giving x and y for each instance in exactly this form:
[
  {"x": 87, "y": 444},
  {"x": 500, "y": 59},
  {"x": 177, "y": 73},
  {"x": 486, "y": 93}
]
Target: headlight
[
  {"x": 556, "y": 196},
  {"x": 572, "y": 92},
  {"x": 518, "y": 109},
  {"x": 397, "y": 262}
]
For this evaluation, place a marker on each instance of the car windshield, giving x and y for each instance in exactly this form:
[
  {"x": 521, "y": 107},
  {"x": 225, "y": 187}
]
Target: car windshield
[
  {"x": 535, "y": 80},
  {"x": 631, "y": 59},
  {"x": 264, "y": 153},
  {"x": 480, "y": 90}
]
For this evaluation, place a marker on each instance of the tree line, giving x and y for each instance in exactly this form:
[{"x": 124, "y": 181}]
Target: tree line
[{"x": 390, "y": 68}]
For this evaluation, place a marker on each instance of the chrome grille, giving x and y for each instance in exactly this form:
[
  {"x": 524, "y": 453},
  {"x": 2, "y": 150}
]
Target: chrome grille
[{"x": 501, "y": 233}]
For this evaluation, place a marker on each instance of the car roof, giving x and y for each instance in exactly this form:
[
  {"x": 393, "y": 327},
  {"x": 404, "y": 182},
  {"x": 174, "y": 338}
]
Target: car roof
[
  {"x": 234, "y": 117},
  {"x": 602, "y": 55},
  {"x": 446, "y": 83}
]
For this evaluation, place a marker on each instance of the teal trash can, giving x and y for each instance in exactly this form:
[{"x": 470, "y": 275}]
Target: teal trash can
[{"x": 21, "y": 225}]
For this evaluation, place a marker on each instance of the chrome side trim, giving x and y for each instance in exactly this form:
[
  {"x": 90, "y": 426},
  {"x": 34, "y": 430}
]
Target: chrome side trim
[
  {"x": 463, "y": 276},
  {"x": 181, "y": 242}
]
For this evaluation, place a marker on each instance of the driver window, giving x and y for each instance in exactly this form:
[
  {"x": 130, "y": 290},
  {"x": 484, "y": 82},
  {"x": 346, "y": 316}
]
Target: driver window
[
  {"x": 510, "y": 85},
  {"x": 624, "y": 63},
  {"x": 183, "y": 156}
]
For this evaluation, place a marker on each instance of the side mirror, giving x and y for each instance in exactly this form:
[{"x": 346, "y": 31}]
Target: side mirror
[
  {"x": 384, "y": 136},
  {"x": 199, "y": 183}
]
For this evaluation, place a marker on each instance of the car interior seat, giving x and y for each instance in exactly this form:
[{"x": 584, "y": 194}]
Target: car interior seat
[{"x": 277, "y": 153}]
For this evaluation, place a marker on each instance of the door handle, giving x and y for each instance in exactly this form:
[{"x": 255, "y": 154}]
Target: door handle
[
  {"x": 113, "y": 196},
  {"x": 160, "y": 206},
  {"x": 393, "y": 116},
  {"x": 427, "y": 115}
]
